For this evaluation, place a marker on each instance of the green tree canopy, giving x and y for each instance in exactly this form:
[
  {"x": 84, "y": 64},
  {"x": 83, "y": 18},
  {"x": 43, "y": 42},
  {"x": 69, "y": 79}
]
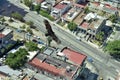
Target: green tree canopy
[
  {"x": 17, "y": 15},
  {"x": 29, "y": 30},
  {"x": 37, "y": 8},
  {"x": 49, "y": 39},
  {"x": 72, "y": 26},
  {"x": 28, "y": 2},
  {"x": 31, "y": 24},
  {"x": 100, "y": 36},
  {"x": 86, "y": 10},
  {"x": 112, "y": 18},
  {"x": 17, "y": 59},
  {"x": 31, "y": 46},
  {"x": 113, "y": 48}
]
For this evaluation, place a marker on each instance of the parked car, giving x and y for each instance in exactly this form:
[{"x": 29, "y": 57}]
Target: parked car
[
  {"x": 89, "y": 59},
  {"x": 34, "y": 40},
  {"x": 78, "y": 38},
  {"x": 40, "y": 42}
]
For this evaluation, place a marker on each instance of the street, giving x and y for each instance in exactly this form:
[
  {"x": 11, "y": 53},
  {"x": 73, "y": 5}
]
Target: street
[{"x": 107, "y": 67}]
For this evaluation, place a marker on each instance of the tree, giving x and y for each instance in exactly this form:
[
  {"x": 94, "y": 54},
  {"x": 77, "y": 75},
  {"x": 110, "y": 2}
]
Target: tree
[
  {"x": 72, "y": 26},
  {"x": 86, "y": 10},
  {"x": 31, "y": 46},
  {"x": 23, "y": 26},
  {"x": 28, "y": 3},
  {"x": 113, "y": 48},
  {"x": 30, "y": 23},
  {"x": 100, "y": 36},
  {"x": 46, "y": 14},
  {"x": 37, "y": 8},
  {"x": 17, "y": 59},
  {"x": 113, "y": 18},
  {"x": 29, "y": 30},
  {"x": 16, "y": 15},
  {"x": 49, "y": 39}
]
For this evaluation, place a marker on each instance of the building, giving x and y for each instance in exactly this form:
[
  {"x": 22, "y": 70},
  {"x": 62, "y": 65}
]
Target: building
[
  {"x": 81, "y": 1},
  {"x": 118, "y": 77},
  {"x": 3, "y": 76},
  {"x": 95, "y": 6},
  {"x": 64, "y": 64},
  {"x": 91, "y": 24},
  {"x": 53, "y": 2},
  {"x": 37, "y": 1},
  {"x": 73, "y": 12},
  {"x": 46, "y": 6},
  {"x": 61, "y": 8},
  {"x": 5, "y": 35},
  {"x": 7, "y": 73}
]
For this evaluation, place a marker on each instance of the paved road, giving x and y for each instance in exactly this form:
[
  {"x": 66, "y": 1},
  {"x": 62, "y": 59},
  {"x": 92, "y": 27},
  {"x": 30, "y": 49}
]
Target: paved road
[{"x": 106, "y": 65}]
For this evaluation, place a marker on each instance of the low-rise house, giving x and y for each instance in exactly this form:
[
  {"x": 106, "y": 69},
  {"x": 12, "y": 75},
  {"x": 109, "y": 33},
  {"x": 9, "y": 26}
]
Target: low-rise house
[
  {"x": 46, "y": 6},
  {"x": 103, "y": 7},
  {"x": 60, "y": 9},
  {"x": 5, "y": 35},
  {"x": 35, "y": 2},
  {"x": 92, "y": 24},
  {"x": 118, "y": 77},
  {"x": 4, "y": 76},
  {"x": 10, "y": 73},
  {"x": 53, "y": 2},
  {"x": 65, "y": 64},
  {"x": 73, "y": 12},
  {"x": 80, "y": 1}
]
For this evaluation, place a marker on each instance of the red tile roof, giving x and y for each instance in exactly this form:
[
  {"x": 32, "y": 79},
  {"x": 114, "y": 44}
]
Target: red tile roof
[
  {"x": 1, "y": 35},
  {"x": 60, "y": 6},
  {"x": 96, "y": 3},
  {"x": 38, "y": 63},
  {"x": 39, "y": 1},
  {"x": 110, "y": 7},
  {"x": 84, "y": 25},
  {"x": 73, "y": 56}
]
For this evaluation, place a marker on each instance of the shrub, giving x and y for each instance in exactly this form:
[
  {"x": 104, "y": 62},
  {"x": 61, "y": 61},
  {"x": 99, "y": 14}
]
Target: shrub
[{"x": 46, "y": 14}]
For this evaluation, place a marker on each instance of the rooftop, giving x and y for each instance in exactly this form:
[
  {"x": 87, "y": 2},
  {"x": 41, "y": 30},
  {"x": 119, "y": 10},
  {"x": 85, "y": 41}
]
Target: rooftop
[
  {"x": 76, "y": 57},
  {"x": 9, "y": 71},
  {"x": 59, "y": 61},
  {"x": 84, "y": 25},
  {"x": 1, "y": 35},
  {"x": 72, "y": 13},
  {"x": 91, "y": 21},
  {"x": 2, "y": 27},
  {"x": 62, "y": 5},
  {"x": 4, "y": 31},
  {"x": 103, "y": 6},
  {"x": 39, "y": 1}
]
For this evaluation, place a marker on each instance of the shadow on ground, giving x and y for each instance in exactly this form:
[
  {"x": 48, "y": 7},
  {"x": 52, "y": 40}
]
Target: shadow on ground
[{"x": 88, "y": 75}]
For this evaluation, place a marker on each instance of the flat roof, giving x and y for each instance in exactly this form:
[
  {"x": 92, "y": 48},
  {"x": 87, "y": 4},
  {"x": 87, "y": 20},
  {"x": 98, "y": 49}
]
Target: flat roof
[
  {"x": 2, "y": 27},
  {"x": 58, "y": 64},
  {"x": 76, "y": 57},
  {"x": 60, "y": 6},
  {"x": 6, "y": 31},
  {"x": 7, "y": 70},
  {"x": 42, "y": 77}
]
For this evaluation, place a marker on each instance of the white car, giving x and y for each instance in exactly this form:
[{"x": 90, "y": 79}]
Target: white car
[
  {"x": 38, "y": 37},
  {"x": 78, "y": 38}
]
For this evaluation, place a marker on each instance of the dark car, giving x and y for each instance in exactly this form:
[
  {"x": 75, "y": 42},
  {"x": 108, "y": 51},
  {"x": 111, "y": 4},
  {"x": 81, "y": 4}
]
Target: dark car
[
  {"x": 40, "y": 42},
  {"x": 34, "y": 40}
]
